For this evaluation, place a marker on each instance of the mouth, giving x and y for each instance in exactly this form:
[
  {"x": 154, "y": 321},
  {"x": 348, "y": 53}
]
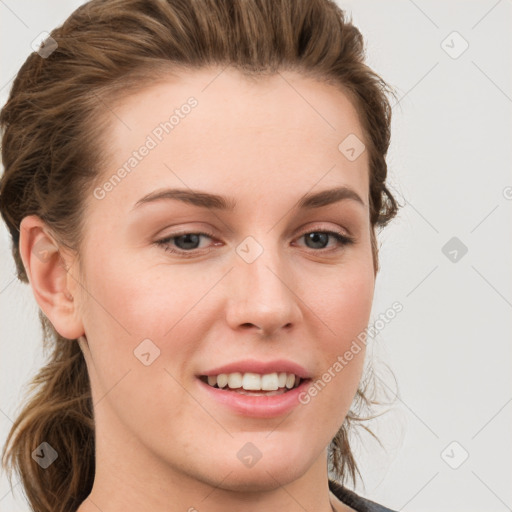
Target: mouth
[{"x": 254, "y": 384}]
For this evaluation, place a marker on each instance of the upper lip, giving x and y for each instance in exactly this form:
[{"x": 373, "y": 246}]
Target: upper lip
[{"x": 261, "y": 367}]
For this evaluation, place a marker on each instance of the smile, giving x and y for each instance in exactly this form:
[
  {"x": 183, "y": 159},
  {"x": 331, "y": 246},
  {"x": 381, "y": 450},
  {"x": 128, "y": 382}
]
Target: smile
[{"x": 251, "y": 383}]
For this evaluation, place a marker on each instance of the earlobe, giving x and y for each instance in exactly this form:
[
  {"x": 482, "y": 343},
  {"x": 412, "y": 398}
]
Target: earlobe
[{"x": 47, "y": 271}]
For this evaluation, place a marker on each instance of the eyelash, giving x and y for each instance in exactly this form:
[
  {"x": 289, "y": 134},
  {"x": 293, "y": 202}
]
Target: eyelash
[{"x": 344, "y": 240}]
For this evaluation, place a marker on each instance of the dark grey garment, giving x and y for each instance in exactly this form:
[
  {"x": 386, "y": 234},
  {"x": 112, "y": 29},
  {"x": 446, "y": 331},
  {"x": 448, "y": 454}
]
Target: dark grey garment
[{"x": 354, "y": 501}]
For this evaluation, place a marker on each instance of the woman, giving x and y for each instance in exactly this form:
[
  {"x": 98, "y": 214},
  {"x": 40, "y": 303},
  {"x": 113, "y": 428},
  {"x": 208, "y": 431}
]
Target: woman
[{"x": 193, "y": 191}]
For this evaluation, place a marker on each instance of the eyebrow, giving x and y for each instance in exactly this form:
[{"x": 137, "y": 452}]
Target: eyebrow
[{"x": 217, "y": 202}]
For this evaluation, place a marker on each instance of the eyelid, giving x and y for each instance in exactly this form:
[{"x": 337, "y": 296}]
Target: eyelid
[
  {"x": 165, "y": 243},
  {"x": 321, "y": 227},
  {"x": 300, "y": 232},
  {"x": 342, "y": 238}
]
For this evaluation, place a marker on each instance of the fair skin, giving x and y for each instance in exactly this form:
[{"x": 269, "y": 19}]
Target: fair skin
[{"x": 162, "y": 442}]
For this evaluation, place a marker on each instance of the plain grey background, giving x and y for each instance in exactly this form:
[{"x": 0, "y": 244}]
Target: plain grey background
[{"x": 447, "y": 439}]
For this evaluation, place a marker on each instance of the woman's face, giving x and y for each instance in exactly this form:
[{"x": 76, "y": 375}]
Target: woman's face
[{"x": 263, "y": 292}]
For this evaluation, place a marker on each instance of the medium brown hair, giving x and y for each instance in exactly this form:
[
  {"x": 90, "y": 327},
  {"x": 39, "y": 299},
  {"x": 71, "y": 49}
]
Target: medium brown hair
[{"x": 51, "y": 152}]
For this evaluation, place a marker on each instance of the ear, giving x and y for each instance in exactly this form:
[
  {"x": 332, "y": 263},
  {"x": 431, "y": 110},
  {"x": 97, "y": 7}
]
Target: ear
[{"x": 48, "y": 268}]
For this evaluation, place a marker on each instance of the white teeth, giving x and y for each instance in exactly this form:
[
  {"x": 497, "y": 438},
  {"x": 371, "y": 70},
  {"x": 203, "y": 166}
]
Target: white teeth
[
  {"x": 235, "y": 380},
  {"x": 269, "y": 382},
  {"x": 222, "y": 380},
  {"x": 251, "y": 381},
  {"x": 290, "y": 381},
  {"x": 254, "y": 381}
]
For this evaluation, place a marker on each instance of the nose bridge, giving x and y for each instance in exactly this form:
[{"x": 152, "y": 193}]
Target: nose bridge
[{"x": 262, "y": 289}]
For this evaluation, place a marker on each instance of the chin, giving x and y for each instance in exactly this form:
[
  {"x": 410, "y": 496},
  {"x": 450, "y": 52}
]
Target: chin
[
  {"x": 262, "y": 477},
  {"x": 274, "y": 469}
]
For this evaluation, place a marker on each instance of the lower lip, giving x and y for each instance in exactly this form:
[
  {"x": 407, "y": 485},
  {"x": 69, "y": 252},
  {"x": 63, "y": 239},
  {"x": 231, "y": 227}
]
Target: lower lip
[{"x": 259, "y": 406}]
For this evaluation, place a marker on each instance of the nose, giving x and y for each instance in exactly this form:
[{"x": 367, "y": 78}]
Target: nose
[{"x": 262, "y": 295}]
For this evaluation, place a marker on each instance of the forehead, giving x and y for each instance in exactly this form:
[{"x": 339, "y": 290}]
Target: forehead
[{"x": 210, "y": 127}]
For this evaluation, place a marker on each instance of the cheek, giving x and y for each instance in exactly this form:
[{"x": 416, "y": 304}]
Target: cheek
[
  {"x": 138, "y": 301},
  {"x": 131, "y": 312},
  {"x": 132, "y": 319},
  {"x": 343, "y": 300},
  {"x": 343, "y": 303}
]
